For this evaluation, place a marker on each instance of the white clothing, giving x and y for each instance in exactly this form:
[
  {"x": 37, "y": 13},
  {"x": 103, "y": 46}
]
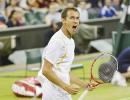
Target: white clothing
[
  {"x": 106, "y": 9},
  {"x": 59, "y": 52},
  {"x": 83, "y": 14},
  {"x": 118, "y": 79},
  {"x": 54, "y": 17}
]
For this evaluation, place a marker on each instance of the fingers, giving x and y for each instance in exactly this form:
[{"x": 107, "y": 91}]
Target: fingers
[
  {"x": 90, "y": 86},
  {"x": 73, "y": 89}
]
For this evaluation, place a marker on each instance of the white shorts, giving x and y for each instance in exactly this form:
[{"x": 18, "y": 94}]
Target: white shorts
[{"x": 52, "y": 92}]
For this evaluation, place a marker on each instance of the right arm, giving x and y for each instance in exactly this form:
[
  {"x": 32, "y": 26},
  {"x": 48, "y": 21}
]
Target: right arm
[{"x": 50, "y": 75}]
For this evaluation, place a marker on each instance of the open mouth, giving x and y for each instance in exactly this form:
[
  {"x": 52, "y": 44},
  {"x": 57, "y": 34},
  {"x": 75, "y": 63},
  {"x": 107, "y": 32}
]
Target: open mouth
[{"x": 74, "y": 27}]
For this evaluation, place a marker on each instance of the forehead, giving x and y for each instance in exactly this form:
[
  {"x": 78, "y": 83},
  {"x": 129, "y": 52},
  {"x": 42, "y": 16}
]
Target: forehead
[{"x": 72, "y": 13}]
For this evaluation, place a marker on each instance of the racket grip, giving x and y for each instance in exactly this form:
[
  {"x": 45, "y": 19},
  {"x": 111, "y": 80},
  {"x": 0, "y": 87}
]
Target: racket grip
[{"x": 83, "y": 95}]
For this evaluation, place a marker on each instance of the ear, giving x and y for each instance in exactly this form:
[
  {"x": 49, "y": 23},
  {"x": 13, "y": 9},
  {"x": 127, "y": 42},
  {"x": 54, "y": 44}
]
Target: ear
[{"x": 63, "y": 20}]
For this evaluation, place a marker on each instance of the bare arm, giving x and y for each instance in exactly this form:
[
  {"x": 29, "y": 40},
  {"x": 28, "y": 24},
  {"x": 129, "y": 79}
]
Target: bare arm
[
  {"x": 50, "y": 75},
  {"x": 77, "y": 81},
  {"x": 81, "y": 83}
]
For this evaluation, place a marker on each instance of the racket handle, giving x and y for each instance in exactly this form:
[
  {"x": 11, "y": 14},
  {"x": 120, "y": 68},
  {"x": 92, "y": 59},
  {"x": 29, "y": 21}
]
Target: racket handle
[{"x": 83, "y": 95}]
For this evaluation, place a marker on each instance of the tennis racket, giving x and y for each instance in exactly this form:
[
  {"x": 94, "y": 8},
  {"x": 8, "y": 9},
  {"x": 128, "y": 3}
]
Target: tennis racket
[{"x": 102, "y": 70}]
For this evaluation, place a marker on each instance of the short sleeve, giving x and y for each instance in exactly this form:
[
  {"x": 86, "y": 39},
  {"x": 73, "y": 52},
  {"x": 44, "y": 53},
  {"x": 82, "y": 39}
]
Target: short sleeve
[{"x": 54, "y": 50}]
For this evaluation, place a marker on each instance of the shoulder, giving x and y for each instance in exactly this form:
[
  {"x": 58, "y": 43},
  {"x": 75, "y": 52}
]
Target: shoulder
[{"x": 57, "y": 38}]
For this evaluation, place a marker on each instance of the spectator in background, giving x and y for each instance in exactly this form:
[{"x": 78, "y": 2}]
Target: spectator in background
[
  {"x": 2, "y": 6},
  {"x": 42, "y": 3},
  {"x": 70, "y": 4},
  {"x": 53, "y": 19},
  {"x": 12, "y": 5},
  {"x": 102, "y": 3},
  {"x": 117, "y": 4},
  {"x": 2, "y": 22},
  {"x": 53, "y": 15},
  {"x": 107, "y": 10},
  {"x": 34, "y": 14},
  {"x": 16, "y": 19},
  {"x": 83, "y": 12},
  {"x": 32, "y": 4},
  {"x": 93, "y": 11}
]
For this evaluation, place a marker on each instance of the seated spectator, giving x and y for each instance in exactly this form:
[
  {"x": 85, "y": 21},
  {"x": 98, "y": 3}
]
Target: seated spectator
[
  {"x": 2, "y": 22},
  {"x": 53, "y": 20},
  {"x": 32, "y": 4},
  {"x": 53, "y": 15},
  {"x": 107, "y": 10},
  {"x": 119, "y": 6},
  {"x": 93, "y": 10},
  {"x": 34, "y": 14},
  {"x": 16, "y": 19},
  {"x": 12, "y": 5},
  {"x": 69, "y": 5},
  {"x": 83, "y": 12},
  {"x": 2, "y": 6},
  {"x": 38, "y": 3}
]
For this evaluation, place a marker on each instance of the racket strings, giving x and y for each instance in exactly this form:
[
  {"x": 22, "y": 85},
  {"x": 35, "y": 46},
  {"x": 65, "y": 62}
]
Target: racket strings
[
  {"x": 105, "y": 65},
  {"x": 106, "y": 72},
  {"x": 107, "y": 69}
]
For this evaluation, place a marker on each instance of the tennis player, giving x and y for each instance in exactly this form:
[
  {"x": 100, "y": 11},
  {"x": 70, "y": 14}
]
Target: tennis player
[{"x": 57, "y": 83}]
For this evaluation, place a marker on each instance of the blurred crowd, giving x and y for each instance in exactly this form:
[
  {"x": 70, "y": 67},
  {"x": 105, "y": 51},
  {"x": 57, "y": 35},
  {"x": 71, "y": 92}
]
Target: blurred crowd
[
  {"x": 29, "y": 12},
  {"x": 15, "y": 13}
]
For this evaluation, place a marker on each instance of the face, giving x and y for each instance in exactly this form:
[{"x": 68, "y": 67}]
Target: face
[
  {"x": 53, "y": 8},
  {"x": 71, "y": 22},
  {"x": 14, "y": 2},
  {"x": 116, "y": 2},
  {"x": 17, "y": 15},
  {"x": 82, "y": 5},
  {"x": 108, "y": 2}
]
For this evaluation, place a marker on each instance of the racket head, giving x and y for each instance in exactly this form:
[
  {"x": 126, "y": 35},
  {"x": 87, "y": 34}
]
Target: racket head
[{"x": 102, "y": 68}]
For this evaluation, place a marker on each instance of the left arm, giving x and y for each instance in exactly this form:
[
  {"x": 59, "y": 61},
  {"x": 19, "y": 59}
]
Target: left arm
[{"x": 76, "y": 80}]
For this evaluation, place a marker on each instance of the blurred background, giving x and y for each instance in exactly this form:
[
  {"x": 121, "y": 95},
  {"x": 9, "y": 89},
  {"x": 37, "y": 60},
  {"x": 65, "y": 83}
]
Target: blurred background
[{"x": 28, "y": 25}]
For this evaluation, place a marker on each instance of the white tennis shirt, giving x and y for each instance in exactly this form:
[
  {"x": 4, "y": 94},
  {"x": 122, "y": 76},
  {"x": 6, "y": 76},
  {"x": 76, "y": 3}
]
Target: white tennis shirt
[{"x": 59, "y": 52}]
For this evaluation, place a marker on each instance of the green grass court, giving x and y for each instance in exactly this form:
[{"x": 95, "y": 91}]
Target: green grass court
[{"x": 103, "y": 92}]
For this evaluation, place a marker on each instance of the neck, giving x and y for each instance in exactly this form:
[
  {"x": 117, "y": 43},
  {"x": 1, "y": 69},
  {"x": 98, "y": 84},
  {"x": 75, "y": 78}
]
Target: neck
[{"x": 66, "y": 32}]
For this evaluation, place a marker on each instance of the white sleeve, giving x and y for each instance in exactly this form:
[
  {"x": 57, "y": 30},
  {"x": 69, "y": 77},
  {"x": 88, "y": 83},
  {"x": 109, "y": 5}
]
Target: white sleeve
[{"x": 55, "y": 49}]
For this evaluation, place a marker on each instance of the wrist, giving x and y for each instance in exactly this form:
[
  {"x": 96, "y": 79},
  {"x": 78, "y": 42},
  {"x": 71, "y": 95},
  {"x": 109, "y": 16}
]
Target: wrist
[{"x": 65, "y": 87}]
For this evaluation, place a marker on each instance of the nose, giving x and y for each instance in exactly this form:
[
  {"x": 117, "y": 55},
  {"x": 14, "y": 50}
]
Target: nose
[{"x": 76, "y": 20}]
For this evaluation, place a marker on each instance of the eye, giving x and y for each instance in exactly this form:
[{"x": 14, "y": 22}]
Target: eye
[{"x": 72, "y": 17}]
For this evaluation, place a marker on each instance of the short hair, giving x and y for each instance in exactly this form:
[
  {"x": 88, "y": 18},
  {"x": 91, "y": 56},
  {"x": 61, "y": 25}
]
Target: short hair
[{"x": 65, "y": 11}]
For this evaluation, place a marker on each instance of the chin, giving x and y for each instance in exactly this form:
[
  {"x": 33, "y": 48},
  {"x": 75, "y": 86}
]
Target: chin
[{"x": 74, "y": 32}]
